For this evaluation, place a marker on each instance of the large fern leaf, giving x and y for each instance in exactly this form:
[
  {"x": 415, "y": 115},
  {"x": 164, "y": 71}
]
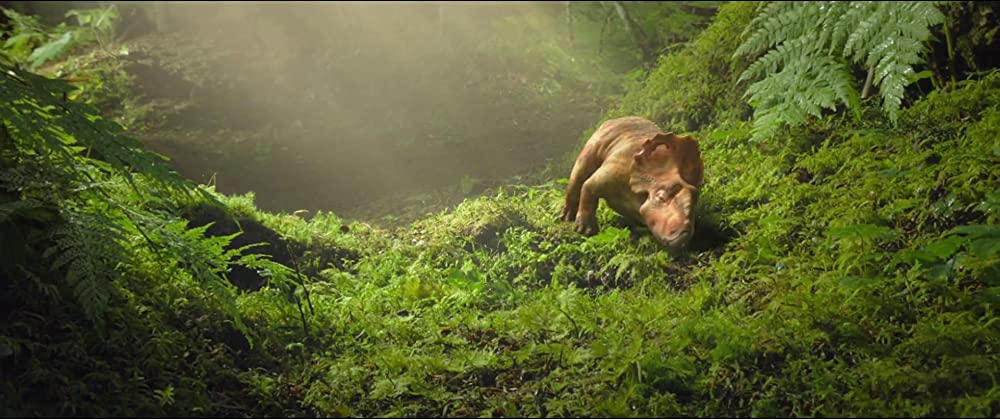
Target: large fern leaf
[
  {"x": 807, "y": 85},
  {"x": 804, "y": 51}
]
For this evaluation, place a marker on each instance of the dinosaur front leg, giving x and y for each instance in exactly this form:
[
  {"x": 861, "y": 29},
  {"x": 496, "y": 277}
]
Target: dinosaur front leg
[
  {"x": 586, "y": 164},
  {"x": 590, "y": 194}
]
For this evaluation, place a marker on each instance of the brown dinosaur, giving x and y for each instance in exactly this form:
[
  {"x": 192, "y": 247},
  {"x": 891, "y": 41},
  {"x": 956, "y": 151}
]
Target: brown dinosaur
[{"x": 624, "y": 163}]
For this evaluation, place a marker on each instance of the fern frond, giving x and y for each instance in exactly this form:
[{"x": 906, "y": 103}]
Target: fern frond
[
  {"x": 792, "y": 50},
  {"x": 892, "y": 80},
  {"x": 88, "y": 246},
  {"x": 279, "y": 276},
  {"x": 847, "y": 23},
  {"x": 802, "y": 71},
  {"x": 872, "y": 23},
  {"x": 805, "y": 86},
  {"x": 205, "y": 257},
  {"x": 7, "y": 209},
  {"x": 768, "y": 21},
  {"x": 826, "y": 19},
  {"x": 32, "y": 101}
]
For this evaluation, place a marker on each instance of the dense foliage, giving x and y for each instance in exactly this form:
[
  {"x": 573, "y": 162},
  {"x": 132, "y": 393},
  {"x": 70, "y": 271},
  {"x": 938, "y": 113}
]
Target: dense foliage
[
  {"x": 87, "y": 218},
  {"x": 842, "y": 267},
  {"x": 33, "y": 44}
]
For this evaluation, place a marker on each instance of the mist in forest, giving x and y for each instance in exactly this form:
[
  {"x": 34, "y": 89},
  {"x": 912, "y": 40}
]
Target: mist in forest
[{"x": 328, "y": 105}]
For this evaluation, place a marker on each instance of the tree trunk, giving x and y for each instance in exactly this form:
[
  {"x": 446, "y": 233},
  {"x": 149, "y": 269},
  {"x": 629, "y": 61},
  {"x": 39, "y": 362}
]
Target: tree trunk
[
  {"x": 569, "y": 22},
  {"x": 634, "y": 30},
  {"x": 604, "y": 27},
  {"x": 159, "y": 16}
]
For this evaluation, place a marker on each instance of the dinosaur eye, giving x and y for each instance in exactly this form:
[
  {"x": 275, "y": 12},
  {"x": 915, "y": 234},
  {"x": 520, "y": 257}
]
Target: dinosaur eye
[{"x": 667, "y": 192}]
